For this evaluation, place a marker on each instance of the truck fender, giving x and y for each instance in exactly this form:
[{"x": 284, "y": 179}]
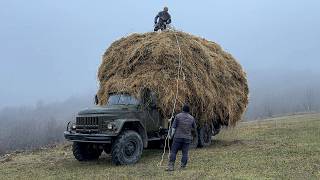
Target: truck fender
[{"x": 132, "y": 124}]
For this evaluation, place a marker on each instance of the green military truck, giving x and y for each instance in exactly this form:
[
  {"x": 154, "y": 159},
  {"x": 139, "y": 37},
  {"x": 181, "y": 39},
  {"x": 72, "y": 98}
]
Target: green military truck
[{"x": 123, "y": 128}]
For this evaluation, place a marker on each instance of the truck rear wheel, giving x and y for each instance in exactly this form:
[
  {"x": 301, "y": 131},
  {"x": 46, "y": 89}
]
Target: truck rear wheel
[
  {"x": 205, "y": 135},
  {"x": 85, "y": 151},
  {"x": 127, "y": 148},
  {"x": 216, "y": 126},
  {"x": 194, "y": 142}
]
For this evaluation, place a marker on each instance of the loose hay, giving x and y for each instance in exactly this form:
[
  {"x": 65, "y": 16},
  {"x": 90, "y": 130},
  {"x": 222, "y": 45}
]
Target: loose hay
[{"x": 212, "y": 82}]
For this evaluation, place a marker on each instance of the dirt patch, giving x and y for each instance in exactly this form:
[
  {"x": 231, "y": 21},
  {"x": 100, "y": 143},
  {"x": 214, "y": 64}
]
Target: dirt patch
[{"x": 237, "y": 142}]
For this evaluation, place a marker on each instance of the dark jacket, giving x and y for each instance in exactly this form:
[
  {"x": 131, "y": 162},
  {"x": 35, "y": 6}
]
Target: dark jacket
[
  {"x": 183, "y": 123},
  {"x": 163, "y": 17}
]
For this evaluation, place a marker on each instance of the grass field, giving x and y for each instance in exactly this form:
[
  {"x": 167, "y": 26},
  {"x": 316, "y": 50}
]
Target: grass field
[{"x": 280, "y": 148}]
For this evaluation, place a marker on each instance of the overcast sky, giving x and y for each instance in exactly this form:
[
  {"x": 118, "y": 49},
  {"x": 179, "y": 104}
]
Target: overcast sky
[{"x": 51, "y": 50}]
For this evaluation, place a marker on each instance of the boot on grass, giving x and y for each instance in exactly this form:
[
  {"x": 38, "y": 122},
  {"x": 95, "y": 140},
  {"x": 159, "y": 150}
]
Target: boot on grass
[{"x": 170, "y": 166}]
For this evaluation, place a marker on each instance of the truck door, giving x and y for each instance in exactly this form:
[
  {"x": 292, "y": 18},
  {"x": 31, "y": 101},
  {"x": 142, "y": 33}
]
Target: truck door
[{"x": 151, "y": 111}]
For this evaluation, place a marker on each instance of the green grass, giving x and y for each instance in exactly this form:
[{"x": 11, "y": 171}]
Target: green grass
[{"x": 279, "y": 148}]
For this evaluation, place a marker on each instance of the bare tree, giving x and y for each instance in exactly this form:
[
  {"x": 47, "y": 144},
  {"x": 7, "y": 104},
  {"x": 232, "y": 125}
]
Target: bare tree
[
  {"x": 2, "y": 151},
  {"x": 309, "y": 100},
  {"x": 268, "y": 111}
]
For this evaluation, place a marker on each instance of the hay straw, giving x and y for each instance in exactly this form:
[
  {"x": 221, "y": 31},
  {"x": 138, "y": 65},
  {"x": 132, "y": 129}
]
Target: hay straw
[{"x": 213, "y": 82}]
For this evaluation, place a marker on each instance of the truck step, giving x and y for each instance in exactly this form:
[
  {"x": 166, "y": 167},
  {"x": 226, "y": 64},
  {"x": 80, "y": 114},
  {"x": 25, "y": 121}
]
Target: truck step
[{"x": 154, "y": 139}]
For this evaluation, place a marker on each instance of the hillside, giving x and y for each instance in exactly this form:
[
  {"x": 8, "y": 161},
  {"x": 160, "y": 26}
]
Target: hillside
[{"x": 283, "y": 147}]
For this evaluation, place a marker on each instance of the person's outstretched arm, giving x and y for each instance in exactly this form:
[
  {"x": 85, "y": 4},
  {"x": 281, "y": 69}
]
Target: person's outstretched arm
[
  {"x": 194, "y": 125},
  {"x": 156, "y": 19},
  {"x": 173, "y": 127}
]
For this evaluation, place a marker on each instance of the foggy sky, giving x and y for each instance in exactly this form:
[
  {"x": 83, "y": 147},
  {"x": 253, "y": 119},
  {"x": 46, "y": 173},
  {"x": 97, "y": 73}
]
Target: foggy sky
[{"x": 51, "y": 50}]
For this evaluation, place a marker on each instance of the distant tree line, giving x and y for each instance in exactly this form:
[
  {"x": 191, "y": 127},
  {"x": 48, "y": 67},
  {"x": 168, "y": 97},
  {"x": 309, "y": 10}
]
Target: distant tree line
[
  {"x": 305, "y": 100},
  {"x": 23, "y": 128}
]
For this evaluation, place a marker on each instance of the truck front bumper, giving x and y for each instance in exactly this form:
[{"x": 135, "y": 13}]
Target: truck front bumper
[{"x": 92, "y": 138}]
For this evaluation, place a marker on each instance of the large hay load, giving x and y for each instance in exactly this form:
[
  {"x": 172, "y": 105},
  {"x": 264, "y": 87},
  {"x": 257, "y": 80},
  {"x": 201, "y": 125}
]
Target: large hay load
[{"x": 212, "y": 82}]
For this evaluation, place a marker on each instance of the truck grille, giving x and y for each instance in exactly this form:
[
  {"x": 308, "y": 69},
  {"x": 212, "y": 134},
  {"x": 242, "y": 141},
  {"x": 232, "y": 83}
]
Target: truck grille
[{"x": 87, "y": 124}]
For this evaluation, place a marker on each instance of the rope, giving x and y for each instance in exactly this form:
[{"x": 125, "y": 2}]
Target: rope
[{"x": 167, "y": 140}]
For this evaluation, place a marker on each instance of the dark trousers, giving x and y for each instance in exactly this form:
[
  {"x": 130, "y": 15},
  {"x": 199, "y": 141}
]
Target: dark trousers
[
  {"x": 180, "y": 144},
  {"x": 160, "y": 25}
]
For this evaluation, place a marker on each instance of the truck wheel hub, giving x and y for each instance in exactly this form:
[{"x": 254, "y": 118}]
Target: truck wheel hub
[{"x": 129, "y": 148}]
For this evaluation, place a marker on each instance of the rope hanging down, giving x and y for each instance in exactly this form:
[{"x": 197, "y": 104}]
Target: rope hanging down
[{"x": 167, "y": 140}]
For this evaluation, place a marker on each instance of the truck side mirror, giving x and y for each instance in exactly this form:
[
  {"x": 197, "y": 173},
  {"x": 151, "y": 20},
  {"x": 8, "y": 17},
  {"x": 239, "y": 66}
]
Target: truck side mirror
[{"x": 96, "y": 100}]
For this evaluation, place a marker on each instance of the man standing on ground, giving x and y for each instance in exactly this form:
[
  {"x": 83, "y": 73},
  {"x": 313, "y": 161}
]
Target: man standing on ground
[
  {"x": 181, "y": 129},
  {"x": 164, "y": 19}
]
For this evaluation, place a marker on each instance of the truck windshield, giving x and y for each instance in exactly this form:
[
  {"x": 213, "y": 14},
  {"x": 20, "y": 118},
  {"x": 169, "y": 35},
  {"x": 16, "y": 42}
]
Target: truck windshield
[{"x": 122, "y": 99}]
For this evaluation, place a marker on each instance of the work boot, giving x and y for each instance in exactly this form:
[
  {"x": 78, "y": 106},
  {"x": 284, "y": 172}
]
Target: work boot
[
  {"x": 183, "y": 166},
  {"x": 170, "y": 166}
]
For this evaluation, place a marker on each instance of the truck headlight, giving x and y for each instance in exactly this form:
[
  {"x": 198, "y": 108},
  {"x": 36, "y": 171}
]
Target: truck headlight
[{"x": 110, "y": 126}]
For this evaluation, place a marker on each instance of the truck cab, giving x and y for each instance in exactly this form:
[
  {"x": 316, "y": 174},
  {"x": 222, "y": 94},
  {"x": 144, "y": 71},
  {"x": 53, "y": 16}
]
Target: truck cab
[{"x": 122, "y": 128}]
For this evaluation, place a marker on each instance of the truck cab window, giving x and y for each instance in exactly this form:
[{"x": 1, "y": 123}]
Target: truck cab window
[{"x": 122, "y": 99}]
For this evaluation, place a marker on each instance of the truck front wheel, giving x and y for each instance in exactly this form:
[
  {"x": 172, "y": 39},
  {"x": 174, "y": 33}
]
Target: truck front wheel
[
  {"x": 85, "y": 151},
  {"x": 127, "y": 148}
]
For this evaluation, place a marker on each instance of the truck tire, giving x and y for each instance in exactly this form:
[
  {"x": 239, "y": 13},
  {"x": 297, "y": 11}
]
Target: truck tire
[
  {"x": 127, "y": 148},
  {"x": 205, "y": 135},
  {"x": 85, "y": 151},
  {"x": 107, "y": 149},
  {"x": 215, "y": 128},
  {"x": 194, "y": 142}
]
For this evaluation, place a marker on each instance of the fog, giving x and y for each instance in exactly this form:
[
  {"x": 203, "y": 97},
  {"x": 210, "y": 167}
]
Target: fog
[{"x": 50, "y": 52}]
